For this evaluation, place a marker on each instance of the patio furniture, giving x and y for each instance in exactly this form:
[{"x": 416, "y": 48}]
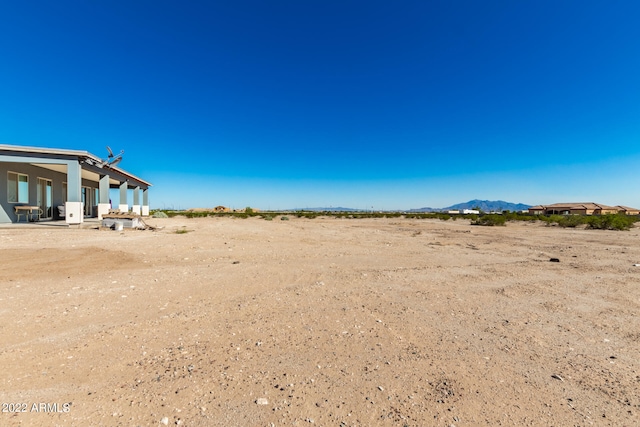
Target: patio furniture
[{"x": 30, "y": 213}]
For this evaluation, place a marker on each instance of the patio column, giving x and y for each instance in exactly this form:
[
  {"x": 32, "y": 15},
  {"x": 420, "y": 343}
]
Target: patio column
[
  {"x": 136, "y": 201},
  {"x": 74, "y": 209},
  {"x": 145, "y": 202},
  {"x": 104, "y": 205},
  {"x": 124, "y": 207}
]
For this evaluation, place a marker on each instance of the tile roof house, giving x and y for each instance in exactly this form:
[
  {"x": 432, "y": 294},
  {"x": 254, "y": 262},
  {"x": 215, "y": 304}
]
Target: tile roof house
[
  {"x": 588, "y": 208},
  {"x": 627, "y": 210}
]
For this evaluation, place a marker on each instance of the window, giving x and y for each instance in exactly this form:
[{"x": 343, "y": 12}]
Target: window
[{"x": 17, "y": 188}]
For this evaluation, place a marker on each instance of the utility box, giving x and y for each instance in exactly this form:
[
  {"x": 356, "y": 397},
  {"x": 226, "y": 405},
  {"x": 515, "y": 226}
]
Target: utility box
[{"x": 74, "y": 212}]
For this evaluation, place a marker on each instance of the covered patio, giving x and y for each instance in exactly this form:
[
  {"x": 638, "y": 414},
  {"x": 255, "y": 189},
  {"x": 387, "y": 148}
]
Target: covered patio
[{"x": 45, "y": 184}]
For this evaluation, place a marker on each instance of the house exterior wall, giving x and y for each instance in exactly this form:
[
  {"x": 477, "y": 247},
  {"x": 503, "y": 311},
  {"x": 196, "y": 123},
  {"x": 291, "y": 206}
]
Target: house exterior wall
[
  {"x": 7, "y": 212},
  {"x": 578, "y": 209},
  {"x": 603, "y": 211}
]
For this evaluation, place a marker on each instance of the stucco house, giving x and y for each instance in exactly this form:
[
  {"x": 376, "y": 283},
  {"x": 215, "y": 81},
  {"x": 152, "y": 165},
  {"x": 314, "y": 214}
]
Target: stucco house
[
  {"x": 627, "y": 210},
  {"x": 52, "y": 184},
  {"x": 588, "y": 208}
]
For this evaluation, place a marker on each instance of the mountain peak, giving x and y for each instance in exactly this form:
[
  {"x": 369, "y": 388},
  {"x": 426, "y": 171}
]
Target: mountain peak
[{"x": 483, "y": 205}]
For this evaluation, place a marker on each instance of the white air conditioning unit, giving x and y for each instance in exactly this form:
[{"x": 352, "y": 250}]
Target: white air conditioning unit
[{"x": 74, "y": 212}]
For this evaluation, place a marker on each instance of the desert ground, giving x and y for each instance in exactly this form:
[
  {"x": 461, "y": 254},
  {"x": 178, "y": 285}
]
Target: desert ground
[{"x": 327, "y": 322}]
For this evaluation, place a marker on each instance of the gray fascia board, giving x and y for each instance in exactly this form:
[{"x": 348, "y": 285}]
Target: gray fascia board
[
  {"x": 52, "y": 153},
  {"x": 128, "y": 175},
  {"x": 116, "y": 174},
  {"x": 46, "y": 155}
]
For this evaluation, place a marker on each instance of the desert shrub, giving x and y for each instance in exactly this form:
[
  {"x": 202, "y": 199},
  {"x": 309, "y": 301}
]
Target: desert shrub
[
  {"x": 307, "y": 214},
  {"x": 267, "y": 218},
  {"x": 571, "y": 221},
  {"x": 595, "y": 222},
  {"x": 159, "y": 214},
  {"x": 171, "y": 213},
  {"x": 490, "y": 220},
  {"x": 610, "y": 222},
  {"x": 517, "y": 216},
  {"x": 551, "y": 219},
  {"x": 284, "y": 218},
  {"x": 196, "y": 214}
]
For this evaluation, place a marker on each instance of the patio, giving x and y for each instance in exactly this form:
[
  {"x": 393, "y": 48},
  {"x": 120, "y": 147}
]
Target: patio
[{"x": 49, "y": 223}]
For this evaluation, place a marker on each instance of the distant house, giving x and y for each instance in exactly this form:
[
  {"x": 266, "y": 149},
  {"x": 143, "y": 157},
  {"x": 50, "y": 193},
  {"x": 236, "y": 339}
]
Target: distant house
[
  {"x": 537, "y": 210},
  {"x": 217, "y": 209},
  {"x": 588, "y": 208},
  {"x": 54, "y": 184},
  {"x": 627, "y": 210},
  {"x": 463, "y": 212}
]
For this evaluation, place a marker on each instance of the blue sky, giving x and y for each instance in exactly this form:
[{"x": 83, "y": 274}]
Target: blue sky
[{"x": 283, "y": 104}]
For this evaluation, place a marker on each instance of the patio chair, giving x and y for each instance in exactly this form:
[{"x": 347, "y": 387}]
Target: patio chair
[{"x": 21, "y": 213}]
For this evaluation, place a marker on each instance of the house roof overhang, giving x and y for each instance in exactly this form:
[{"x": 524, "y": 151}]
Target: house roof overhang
[{"x": 92, "y": 166}]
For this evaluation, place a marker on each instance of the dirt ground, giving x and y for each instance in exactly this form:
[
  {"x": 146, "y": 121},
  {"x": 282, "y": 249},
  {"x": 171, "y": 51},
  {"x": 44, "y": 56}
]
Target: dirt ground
[{"x": 328, "y": 322}]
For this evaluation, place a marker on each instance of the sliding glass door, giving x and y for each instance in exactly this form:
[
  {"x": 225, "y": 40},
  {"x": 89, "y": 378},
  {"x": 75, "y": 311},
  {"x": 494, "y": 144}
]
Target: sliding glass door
[
  {"x": 45, "y": 197},
  {"x": 90, "y": 198}
]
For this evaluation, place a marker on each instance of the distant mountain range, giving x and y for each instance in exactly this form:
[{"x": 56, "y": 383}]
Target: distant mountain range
[
  {"x": 330, "y": 209},
  {"x": 483, "y": 205}
]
